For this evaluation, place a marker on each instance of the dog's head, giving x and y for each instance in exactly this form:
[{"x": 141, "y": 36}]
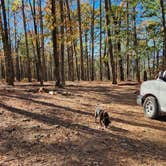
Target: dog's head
[{"x": 106, "y": 119}]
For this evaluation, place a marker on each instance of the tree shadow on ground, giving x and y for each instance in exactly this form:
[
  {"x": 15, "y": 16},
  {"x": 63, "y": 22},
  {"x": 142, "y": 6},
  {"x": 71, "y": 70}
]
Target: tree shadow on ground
[
  {"x": 68, "y": 109},
  {"x": 134, "y": 123},
  {"x": 97, "y": 147},
  {"x": 49, "y": 104},
  {"x": 109, "y": 93},
  {"x": 45, "y": 119}
]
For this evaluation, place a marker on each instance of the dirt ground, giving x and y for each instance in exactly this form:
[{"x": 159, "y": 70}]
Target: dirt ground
[{"x": 44, "y": 129}]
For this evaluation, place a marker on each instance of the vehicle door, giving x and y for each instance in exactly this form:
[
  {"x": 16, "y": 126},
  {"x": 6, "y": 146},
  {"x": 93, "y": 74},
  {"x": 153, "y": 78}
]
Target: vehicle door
[{"x": 162, "y": 95}]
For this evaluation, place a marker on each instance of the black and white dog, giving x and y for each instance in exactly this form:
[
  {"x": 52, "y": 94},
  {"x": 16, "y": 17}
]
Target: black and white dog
[{"x": 103, "y": 117}]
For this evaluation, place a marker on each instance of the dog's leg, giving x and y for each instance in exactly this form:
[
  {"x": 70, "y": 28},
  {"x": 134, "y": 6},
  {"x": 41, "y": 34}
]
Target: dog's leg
[
  {"x": 95, "y": 116},
  {"x": 101, "y": 121}
]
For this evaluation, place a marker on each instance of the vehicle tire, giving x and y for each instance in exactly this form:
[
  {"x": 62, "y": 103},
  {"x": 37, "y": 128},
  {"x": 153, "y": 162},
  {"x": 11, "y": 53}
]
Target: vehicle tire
[{"x": 150, "y": 107}]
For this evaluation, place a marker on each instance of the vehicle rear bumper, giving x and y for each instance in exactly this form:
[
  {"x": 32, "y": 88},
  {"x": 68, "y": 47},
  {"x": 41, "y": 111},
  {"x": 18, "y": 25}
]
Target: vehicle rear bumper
[{"x": 140, "y": 100}]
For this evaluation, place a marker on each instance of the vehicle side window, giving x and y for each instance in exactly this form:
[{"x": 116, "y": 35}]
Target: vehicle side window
[{"x": 164, "y": 76}]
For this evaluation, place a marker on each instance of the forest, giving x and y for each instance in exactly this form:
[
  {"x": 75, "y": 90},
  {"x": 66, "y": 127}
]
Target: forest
[
  {"x": 82, "y": 40},
  {"x": 82, "y": 82}
]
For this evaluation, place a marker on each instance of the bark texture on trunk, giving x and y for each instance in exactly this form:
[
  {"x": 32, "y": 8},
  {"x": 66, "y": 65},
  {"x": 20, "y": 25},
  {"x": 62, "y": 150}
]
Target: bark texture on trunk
[
  {"x": 110, "y": 47},
  {"x": 164, "y": 27},
  {"x": 55, "y": 45},
  {"x": 6, "y": 45},
  {"x": 62, "y": 44},
  {"x": 80, "y": 36},
  {"x": 26, "y": 42},
  {"x": 135, "y": 45}
]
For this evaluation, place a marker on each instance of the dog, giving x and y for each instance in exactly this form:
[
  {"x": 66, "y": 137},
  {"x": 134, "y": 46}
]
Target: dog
[{"x": 103, "y": 117}]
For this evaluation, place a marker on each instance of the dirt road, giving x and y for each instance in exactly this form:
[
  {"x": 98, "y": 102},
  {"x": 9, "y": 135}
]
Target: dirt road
[{"x": 43, "y": 129}]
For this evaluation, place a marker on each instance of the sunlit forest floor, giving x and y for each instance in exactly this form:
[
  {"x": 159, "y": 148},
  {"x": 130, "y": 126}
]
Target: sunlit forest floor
[{"x": 43, "y": 129}]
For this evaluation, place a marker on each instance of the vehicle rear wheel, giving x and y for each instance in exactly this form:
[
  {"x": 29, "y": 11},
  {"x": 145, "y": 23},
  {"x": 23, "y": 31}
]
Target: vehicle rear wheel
[{"x": 150, "y": 107}]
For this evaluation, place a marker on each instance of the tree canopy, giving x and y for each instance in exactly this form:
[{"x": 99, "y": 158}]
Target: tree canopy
[{"x": 81, "y": 40}]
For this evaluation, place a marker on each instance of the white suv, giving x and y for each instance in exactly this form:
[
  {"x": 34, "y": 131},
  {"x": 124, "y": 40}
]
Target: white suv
[{"x": 153, "y": 96}]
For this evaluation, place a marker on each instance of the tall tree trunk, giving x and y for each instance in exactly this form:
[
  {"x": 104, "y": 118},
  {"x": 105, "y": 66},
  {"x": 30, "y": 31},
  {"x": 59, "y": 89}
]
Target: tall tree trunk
[
  {"x": 69, "y": 67},
  {"x": 164, "y": 27},
  {"x": 35, "y": 62},
  {"x": 76, "y": 59},
  {"x": 33, "y": 11},
  {"x": 127, "y": 44},
  {"x": 154, "y": 55},
  {"x": 117, "y": 22},
  {"x": 120, "y": 62},
  {"x": 110, "y": 48},
  {"x": 16, "y": 50},
  {"x": 81, "y": 44},
  {"x": 149, "y": 69},
  {"x": 121, "y": 69},
  {"x": 42, "y": 42},
  {"x": 55, "y": 44},
  {"x": 148, "y": 57},
  {"x": 2, "y": 69},
  {"x": 101, "y": 65},
  {"x": 157, "y": 59},
  {"x": 21, "y": 68},
  {"x": 87, "y": 55},
  {"x": 71, "y": 51},
  {"x": 17, "y": 63},
  {"x": 6, "y": 46},
  {"x": 62, "y": 44},
  {"x": 108, "y": 73},
  {"x": 26, "y": 42},
  {"x": 92, "y": 41},
  {"x": 135, "y": 45},
  {"x": 8, "y": 19}
]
